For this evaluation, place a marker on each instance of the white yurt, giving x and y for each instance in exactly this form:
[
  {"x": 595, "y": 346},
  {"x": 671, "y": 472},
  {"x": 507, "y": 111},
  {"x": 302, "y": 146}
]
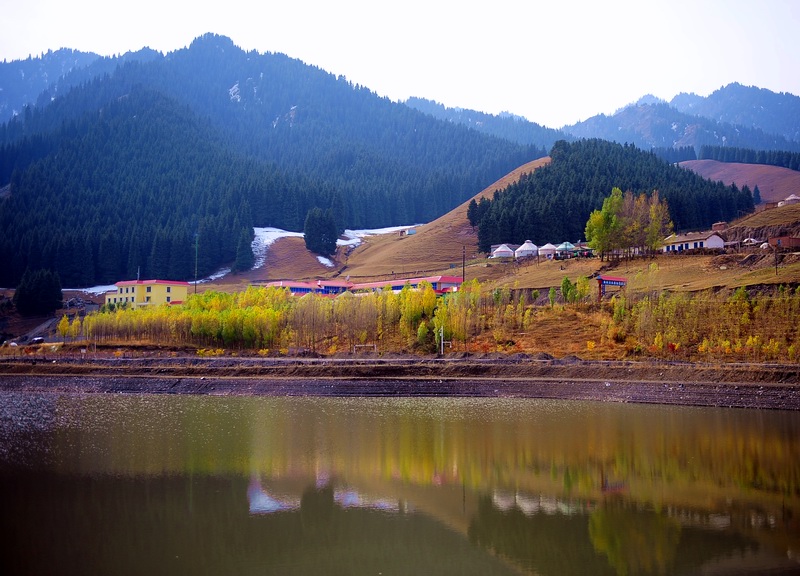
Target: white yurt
[
  {"x": 503, "y": 251},
  {"x": 547, "y": 251},
  {"x": 526, "y": 250}
]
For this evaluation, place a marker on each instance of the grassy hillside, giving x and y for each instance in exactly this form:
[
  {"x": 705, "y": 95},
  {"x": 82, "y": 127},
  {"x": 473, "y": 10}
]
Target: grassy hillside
[
  {"x": 774, "y": 183},
  {"x": 437, "y": 248}
]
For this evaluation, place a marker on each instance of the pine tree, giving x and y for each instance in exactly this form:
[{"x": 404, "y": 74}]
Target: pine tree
[
  {"x": 38, "y": 293},
  {"x": 320, "y": 231},
  {"x": 244, "y": 251}
]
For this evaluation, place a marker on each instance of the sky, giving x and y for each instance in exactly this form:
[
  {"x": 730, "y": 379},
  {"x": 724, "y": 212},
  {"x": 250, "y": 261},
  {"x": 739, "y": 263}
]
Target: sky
[{"x": 555, "y": 62}]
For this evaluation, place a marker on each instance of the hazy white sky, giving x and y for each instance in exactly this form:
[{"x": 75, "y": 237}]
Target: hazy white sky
[{"x": 555, "y": 62}]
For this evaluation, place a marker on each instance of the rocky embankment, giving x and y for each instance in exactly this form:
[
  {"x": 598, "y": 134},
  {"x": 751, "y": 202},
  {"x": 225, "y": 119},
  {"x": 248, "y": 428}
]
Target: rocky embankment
[{"x": 728, "y": 385}]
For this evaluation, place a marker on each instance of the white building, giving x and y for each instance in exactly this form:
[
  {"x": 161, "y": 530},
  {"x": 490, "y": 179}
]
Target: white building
[{"x": 693, "y": 241}]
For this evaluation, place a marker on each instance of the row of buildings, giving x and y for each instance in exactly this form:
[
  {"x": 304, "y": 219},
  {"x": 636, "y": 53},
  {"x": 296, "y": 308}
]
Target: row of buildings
[
  {"x": 709, "y": 240},
  {"x": 549, "y": 251},
  {"x": 156, "y": 292}
]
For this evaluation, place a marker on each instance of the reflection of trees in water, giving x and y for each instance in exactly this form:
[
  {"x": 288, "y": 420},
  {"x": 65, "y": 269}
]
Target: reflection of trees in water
[
  {"x": 634, "y": 541},
  {"x": 316, "y": 508},
  {"x": 547, "y": 543},
  {"x": 615, "y": 538}
]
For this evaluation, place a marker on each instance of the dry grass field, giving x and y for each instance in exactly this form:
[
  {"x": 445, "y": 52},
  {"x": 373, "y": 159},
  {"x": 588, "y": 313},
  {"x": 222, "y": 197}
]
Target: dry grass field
[
  {"x": 783, "y": 216},
  {"x": 774, "y": 183}
]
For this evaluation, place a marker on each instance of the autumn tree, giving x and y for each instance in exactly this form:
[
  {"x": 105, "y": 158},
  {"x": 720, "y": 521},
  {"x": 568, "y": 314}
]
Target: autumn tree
[
  {"x": 629, "y": 222},
  {"x": 63, "y": 327},
  {"x": 659, "y": 225},
  {"x": 604, "y": 225}
]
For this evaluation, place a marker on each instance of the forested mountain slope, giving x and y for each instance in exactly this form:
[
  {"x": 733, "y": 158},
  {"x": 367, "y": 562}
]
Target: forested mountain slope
[
  {"x": 771, "y": 112},
  {"x": 124, "y": 192},
  {"x": 117, "y": 174},
  {"x": 659, "y": 125},
  {"x": 507, "y": 126},
  {"x": 553, "y": 203}
]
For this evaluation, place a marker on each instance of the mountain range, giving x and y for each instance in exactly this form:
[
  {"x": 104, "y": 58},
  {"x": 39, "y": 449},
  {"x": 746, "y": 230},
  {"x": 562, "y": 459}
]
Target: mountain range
[
  {"x": 734, "y": 115},
  {"x": 160, "y": 164}
]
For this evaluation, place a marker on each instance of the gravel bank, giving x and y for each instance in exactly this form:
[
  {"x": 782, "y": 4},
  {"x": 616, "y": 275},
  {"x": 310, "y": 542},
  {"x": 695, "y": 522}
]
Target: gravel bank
[{"x": 734, "y": 385}]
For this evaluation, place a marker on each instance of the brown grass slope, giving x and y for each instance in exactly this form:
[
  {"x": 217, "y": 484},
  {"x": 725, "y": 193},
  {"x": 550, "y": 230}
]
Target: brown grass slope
[
  {"x": 782, "y": 221},
  {"x": 434, "y": 248},
  {"x": 774, "y": 183}
]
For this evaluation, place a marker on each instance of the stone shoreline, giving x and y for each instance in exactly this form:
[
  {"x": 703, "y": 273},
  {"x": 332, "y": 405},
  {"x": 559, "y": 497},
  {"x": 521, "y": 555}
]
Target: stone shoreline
[{"x": 736, "y": 385}]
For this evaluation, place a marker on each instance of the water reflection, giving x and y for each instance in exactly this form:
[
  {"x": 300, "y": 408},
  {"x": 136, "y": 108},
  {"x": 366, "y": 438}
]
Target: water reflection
[{"x": 291, "y": 485}]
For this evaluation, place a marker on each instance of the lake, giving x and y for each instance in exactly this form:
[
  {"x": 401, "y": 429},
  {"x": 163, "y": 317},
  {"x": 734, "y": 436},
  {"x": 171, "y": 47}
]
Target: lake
[{"x": 168, "y": 484}]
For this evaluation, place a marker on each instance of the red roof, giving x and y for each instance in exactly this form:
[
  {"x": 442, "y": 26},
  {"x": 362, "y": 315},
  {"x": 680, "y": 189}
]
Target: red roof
[{"x": 144, "y": 282}]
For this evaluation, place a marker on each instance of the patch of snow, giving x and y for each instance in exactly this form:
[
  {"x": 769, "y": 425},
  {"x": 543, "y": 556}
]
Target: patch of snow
[
  {"x": 216, "y": 275},
  {"x": 325, "y": 261},
  {"x": 95, "y": 290},
  {"x": 263, "y": 238},
  {"x": 354, "y": 237},
  {"x": 234, "y": 93}
]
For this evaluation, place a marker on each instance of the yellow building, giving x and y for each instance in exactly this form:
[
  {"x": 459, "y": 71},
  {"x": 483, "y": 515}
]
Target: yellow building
[{"x": 148, "y": 292}]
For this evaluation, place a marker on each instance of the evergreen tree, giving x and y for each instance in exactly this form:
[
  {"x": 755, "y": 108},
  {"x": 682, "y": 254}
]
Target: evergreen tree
[
  {"x": 472, "y": 213},
  {"x": 244, "y": 252},
  {"x": 38, "y": 293},
  {"x": 320, "y": 231},
  {"x": 756, "y": 195}
]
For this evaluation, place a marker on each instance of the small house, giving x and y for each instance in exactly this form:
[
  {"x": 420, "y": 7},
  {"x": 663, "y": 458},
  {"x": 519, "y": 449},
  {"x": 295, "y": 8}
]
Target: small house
[
  {"x": 693, "y": 241},
  {"x": 784, "y": 242}
]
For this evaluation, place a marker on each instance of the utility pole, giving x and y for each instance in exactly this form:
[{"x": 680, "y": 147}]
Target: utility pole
[
  {"x": 463, "y": 263},
  {"x": 778, "y": 243},
  {"x": 196, "y": 237}
]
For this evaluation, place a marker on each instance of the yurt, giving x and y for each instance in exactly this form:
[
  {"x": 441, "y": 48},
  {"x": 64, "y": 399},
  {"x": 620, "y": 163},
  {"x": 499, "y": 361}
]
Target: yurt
[
  {"x": 527, "y": 250},
  {"x": 503, "y": 251},
  {"x": 565, "y": 249},
  {"x": 547, "y": 251}
]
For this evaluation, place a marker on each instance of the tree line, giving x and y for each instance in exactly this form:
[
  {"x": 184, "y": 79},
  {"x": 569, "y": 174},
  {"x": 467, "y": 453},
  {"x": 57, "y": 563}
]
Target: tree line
[
  {"x": 782, "y": 158},
  {"x": 736, "y": 324}
]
